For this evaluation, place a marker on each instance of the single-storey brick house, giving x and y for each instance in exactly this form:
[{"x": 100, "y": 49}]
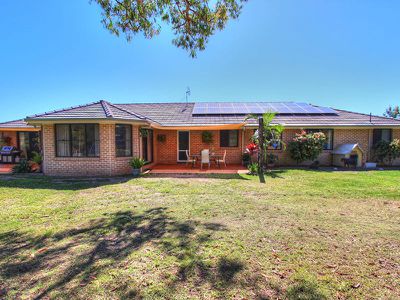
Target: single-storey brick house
[{"x": 100, "y": 138}]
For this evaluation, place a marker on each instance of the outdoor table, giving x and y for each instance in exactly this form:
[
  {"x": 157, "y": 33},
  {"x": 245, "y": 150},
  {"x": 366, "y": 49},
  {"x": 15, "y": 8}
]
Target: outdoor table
[{"x": 213, "y": 157}]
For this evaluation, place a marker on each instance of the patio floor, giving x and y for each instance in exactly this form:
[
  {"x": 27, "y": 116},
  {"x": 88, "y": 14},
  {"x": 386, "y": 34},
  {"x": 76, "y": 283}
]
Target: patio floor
[
  {"x": 6, "y": 168},
  {"x": 187, "y": 169}
]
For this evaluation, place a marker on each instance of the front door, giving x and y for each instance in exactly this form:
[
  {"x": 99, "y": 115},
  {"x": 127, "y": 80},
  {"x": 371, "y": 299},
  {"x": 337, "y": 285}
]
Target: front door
[{"x": 183, "y": 145}]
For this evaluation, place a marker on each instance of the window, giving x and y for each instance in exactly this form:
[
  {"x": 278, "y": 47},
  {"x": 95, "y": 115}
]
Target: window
[
  {"x": 123, "y": 140},
  {"x": 77, "y": 140},
  {"x": 229, "y": 138},
  {"x": 382, "y": 135},
  {"x": 328, "y": 134}
]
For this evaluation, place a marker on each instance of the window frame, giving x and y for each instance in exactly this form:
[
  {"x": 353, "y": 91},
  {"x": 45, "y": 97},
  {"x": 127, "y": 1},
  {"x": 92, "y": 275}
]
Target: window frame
[
  {"x": 70, "y": 140},
  {"x": 228, "y": 146},
  {"x": 381, "y": 129},
  {"x": 312, "y": 130},
  {"x": 131, "y": 140}
]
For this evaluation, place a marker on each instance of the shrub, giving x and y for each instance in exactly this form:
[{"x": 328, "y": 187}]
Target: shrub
[
  {"x": 253, "y": 168},
  {"x": 22, "y": 167},
  {"x": 136, "y": 163},
  {"x": 306, "y": 146},
  {"x": 386, "y": 151},
  {"x": 36, "y": 158}
]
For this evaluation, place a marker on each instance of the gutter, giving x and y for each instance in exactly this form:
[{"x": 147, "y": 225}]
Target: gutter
[
  {"x": 200, "y": 127},
  {"x": 332, "y": 126}
]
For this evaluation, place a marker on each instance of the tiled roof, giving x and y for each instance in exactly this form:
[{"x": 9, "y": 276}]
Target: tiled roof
[
  {"x": 15, "y": 124},
  {"x": 181, "y": 114},
  {"x": 97, "y": 110}
]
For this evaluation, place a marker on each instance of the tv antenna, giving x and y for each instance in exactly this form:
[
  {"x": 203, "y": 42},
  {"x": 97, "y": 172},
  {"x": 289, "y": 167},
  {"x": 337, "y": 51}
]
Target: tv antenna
[{"x": 187, "y": 94}]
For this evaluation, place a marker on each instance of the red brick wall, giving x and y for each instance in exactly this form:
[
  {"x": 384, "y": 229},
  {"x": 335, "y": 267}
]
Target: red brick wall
[
  {"x": 361, "y": 136},
  {"x": 167, "y": 152},
  {"x": 105, "y": 165},
  {"x": 108, "y": 164},
  {"x": 340, "y": 136},
  {"x": 233, "y": 154}
]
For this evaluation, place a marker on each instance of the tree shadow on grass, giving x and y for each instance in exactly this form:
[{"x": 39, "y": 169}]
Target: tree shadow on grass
[
  {"x": 235, "y": 176},
  {"x": 63, "y": 263},
  {"x": 82, "y": 183},
  {"x": 306, "y": 290},
  {"x": 275, "y": 173}
]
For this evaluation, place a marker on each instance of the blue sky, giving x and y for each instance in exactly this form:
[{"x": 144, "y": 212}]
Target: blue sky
[{"x": 343, "y": 54}]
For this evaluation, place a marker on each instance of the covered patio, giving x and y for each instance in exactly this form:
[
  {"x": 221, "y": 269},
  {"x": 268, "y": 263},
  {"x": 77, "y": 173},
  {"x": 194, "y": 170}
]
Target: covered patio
[{"x": 188, "y": 169}]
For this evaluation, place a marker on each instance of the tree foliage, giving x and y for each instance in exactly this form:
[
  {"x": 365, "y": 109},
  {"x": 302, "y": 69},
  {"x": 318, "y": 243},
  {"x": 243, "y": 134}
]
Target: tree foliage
[
  {"x": 192, "y": 21},
  {"x": 392, "y": 112},
  {"x": 306, "y": 146}
]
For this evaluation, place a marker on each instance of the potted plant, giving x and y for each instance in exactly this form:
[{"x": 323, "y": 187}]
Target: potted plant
[
  {"x": 136, "y": 163},
  {"x": 246, "y": 159},
  {"x": 161, "y": 138},
  {"x": 207, "y": 137},
  {"x": 144, "y": 132}
]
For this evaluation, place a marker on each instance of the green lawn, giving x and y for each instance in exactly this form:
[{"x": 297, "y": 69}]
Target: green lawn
[{"x": 302, "y": 235}]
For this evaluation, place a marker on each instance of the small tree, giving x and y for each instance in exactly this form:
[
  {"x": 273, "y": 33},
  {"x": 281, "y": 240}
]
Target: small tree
[
  {"x": 392, "y": 112},
  {"x": 271, "y": 135},
  {"x": 306, "y": 146}
]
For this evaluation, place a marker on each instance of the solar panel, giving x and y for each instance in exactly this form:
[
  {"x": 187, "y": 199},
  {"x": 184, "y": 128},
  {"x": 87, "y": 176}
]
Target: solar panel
[
  {"x": 327, "y": 110},
  {"x": 227, "y": 108}
]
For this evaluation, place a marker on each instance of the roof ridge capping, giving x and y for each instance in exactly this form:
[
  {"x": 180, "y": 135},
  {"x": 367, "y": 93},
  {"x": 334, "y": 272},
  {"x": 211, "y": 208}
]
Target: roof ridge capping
[
  {"x": 364, "y": 114},
  {"x": 128, "y": 111},
  {"x": 106, "y": 108},
  {"x": 6, "y": 122},
  {"x": 63, "y": 109}
]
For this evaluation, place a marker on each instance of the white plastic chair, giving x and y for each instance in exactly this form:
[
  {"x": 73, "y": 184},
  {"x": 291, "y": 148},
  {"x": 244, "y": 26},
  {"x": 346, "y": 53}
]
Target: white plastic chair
[
  {"x": 222, "y": 161},
  {"x": 205, "y": 158}
]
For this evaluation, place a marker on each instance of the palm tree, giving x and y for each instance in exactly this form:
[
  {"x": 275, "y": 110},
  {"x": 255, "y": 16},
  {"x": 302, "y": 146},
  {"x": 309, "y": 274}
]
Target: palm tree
[{"x": 271, "y": 134}]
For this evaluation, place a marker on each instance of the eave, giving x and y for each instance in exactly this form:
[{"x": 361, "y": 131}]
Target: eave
[
  {"x": 19, "y": 129},
  {"x": 342, "y": 126},
  {"x": 200, "y": 127}
]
